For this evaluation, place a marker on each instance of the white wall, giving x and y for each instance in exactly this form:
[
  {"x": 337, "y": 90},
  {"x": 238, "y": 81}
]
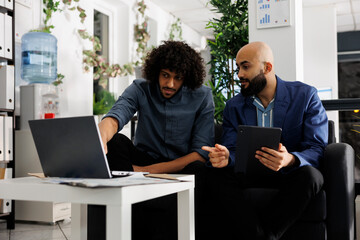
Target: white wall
[
  {"x": 286, "y": 42},
  {"x": 320, "y": 52},
  {"x": 77, "y": 88},
  {"x": 76, "y": 96},
  {"x": 320, "y": 47}
]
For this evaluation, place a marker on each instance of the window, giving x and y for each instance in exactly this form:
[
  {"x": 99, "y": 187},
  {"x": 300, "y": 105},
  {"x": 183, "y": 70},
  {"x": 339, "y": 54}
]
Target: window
[
  {"x": 101, "y": 31},
  {"x": 348, "y": 104},
  {"x": 349, "y": 121}
]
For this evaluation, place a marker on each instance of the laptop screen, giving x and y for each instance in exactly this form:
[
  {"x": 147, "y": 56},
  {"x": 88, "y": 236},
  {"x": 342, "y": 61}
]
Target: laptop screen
[{"x": 70, "y": 147}]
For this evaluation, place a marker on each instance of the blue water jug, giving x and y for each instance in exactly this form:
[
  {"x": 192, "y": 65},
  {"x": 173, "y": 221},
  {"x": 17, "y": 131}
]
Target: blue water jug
[{"x": 38, "y": 57}]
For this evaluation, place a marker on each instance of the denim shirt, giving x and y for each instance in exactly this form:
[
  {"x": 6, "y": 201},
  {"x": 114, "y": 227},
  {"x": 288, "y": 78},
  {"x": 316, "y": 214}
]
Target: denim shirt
[
  {"x": 167, "y": 128},
  {"x": 264, "y": 116}
]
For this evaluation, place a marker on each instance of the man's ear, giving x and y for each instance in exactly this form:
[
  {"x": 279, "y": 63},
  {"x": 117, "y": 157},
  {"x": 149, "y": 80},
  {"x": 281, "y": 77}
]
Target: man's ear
[{"x": 267, "y": 67}]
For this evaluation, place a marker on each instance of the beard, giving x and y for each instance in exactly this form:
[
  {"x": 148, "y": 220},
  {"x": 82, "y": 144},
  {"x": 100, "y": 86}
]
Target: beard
[{"x": 255, "y": 86}]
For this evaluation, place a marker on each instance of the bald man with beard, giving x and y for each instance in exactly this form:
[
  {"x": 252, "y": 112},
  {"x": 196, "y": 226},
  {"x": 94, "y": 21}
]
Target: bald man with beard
[{"x": 266, "y": 100}]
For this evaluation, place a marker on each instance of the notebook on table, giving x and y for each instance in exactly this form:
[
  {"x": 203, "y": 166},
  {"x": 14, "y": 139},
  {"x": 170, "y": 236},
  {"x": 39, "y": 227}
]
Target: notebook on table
[
  {"x": 249, "y": 140},
  {"x": 71, "y": 148}
]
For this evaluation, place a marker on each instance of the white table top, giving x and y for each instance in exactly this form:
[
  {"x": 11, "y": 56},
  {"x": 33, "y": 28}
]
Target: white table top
[{"x": 33, "y": 189}]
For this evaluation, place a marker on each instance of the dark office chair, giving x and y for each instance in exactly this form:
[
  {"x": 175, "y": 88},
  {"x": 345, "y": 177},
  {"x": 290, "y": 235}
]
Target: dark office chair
[{"x": 331, "y": 214}]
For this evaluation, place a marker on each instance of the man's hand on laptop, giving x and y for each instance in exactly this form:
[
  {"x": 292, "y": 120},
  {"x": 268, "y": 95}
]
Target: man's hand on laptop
[
  {"x": 107, "y": 127},
  {"x": 275, "y": 160},
  {"x": 218, "y": 155}
]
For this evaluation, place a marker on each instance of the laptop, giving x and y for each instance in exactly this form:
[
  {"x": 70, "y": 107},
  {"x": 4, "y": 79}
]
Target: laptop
[
  {"x": 71, "y": 148},
  {"x": 249, "y": 140}
]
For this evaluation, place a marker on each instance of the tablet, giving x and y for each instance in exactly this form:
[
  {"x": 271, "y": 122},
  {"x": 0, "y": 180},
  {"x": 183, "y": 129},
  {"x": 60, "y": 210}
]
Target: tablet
[{"x": 249, "y": 140}]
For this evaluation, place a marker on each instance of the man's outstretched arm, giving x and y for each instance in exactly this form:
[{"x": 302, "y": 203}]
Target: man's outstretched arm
[
  {"x": 108, "y": 127},
  {"x": 173, "y": 166}
]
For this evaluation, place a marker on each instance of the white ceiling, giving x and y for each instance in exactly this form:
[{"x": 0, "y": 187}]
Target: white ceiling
[
  {"x": 196, "y": 13},
  {"x": 347, "y": 11}
]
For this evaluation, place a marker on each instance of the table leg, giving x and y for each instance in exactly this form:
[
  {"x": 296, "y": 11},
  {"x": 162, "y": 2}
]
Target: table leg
[
  {"x": 186, "y": 230},
  {"x": 118, "y": 222},
  {"x": 78, "y": 221}
]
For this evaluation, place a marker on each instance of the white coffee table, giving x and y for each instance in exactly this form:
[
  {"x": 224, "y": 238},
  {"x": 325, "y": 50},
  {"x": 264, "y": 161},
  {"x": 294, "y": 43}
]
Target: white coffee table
[{"x": 117, "y": 200}]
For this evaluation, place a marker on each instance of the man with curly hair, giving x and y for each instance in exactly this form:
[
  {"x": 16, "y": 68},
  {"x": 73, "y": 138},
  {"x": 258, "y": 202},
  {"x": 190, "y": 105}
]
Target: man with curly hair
[
  {"x": 175, "y": 114},
  {"x": 174, "y": 111}
]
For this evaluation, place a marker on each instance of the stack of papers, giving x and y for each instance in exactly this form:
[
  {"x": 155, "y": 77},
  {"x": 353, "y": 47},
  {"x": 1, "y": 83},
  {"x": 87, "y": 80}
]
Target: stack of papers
[{"x": 135, "y": 179}]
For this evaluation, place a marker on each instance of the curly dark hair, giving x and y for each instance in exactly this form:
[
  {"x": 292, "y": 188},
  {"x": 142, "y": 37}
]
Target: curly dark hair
[{"x": 178, "y": 57}]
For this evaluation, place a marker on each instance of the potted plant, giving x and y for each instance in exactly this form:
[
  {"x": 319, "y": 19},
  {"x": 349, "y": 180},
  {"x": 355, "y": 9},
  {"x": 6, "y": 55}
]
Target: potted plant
[
  {"x": 230, "y": 34},
  {"x": 102, "y": 103}
]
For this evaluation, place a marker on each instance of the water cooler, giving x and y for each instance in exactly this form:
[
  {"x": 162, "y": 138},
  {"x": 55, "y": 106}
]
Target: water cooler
[
  {"x": 38, "y": 57},
  {"x": 38, "y": 100}
]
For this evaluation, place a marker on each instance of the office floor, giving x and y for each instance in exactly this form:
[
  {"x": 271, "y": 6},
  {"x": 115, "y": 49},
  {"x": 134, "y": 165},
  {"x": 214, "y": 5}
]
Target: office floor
[{"x": 36, "y": 231}]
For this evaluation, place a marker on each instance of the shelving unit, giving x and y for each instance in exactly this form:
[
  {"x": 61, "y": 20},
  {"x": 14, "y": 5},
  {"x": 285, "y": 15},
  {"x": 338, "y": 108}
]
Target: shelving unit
[{"x": 7, "y": 97}]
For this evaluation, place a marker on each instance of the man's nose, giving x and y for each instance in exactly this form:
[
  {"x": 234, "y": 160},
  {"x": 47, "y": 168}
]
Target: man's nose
[
  {"x": 170, "y": 82},
  {"x": 240, "y": 74}
]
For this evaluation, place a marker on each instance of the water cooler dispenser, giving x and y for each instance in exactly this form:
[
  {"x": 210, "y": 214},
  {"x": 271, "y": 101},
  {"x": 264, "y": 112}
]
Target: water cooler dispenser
[{"x": 38, "y": 100}]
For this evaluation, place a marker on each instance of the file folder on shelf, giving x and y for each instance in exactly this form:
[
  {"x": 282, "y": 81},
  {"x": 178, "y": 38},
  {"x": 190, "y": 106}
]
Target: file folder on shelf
[
  {"x": 8, "y": 37},
  {"x": 5, "y": 206},
  {"x": 2, "y": 34},
  {"x": 2, "y": 155},
  {"x": 9, "y": 4},
  {"x": 2, "y": 175},
  {"x": 8, "y": 138},
  {"x": 7, "y": 87}
]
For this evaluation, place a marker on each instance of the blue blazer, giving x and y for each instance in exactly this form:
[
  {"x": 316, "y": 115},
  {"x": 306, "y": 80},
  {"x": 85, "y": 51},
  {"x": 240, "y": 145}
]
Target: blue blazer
[{"x": 297, "y": 110}]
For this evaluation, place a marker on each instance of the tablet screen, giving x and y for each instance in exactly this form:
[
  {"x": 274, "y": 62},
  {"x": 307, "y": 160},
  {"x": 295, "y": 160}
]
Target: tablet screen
[{"x": 249, "y": 140}]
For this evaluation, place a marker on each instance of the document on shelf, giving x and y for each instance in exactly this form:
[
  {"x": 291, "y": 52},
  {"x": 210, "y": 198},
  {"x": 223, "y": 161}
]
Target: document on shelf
[{"x": 135, "y": 179}]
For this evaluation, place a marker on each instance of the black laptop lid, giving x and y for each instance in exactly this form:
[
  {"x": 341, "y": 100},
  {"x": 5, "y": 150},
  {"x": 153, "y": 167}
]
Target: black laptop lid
[
  {"x": 249, "y": 140},
  {"x": 70, "y": 147}
]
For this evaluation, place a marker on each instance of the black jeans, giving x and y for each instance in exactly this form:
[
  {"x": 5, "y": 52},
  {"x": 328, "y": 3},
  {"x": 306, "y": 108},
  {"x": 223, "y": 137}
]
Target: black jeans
[
  {"x": 152, "y": 219},
  {"x": 230, "y": 212}
]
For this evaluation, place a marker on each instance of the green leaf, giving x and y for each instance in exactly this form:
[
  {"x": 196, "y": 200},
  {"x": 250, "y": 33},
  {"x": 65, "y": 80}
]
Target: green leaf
[
  {"x": 103, "y": 102},
  {"x": 230, "y": 34}
]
